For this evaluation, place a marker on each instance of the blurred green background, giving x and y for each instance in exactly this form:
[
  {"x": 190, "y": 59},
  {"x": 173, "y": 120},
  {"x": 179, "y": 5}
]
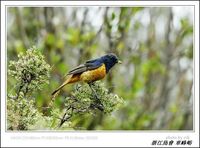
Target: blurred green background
[{"x": 154, "y": 43}]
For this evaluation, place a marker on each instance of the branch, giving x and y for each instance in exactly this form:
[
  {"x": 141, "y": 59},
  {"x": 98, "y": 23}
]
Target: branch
[{"x": 84, "y": 100}]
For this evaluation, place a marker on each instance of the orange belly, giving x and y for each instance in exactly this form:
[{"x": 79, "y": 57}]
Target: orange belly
[{"x": 93, "y": 75}]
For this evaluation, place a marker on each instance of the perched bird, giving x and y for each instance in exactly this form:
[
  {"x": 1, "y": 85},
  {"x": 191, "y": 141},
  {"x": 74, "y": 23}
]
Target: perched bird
[{"x": 90, "y": 71}]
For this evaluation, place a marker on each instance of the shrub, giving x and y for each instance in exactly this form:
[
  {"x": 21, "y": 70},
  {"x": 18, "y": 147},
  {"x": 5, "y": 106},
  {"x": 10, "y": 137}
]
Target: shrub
[
  {"x": 84, "y": 100},
  {"x": 30, "y": 72}
]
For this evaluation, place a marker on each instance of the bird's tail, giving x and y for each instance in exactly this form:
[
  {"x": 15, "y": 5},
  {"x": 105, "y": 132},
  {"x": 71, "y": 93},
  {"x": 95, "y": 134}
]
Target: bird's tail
[
  {"x": 56, "y": 92},
  {"x": 70, "y": 79}
]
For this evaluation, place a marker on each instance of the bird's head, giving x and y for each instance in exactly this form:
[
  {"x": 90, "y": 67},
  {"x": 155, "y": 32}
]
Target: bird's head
[{"x": 110, "y": 60}]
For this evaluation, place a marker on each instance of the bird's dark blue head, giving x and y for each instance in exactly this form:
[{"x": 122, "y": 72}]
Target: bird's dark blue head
[{"x": 110, "y": 60}]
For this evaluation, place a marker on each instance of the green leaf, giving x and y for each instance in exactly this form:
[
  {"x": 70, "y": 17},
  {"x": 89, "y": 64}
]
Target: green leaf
[{"x": 113, "y": 16}]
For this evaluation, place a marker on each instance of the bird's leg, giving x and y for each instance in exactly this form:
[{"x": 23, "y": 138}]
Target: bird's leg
[
  {"x": 99, "y": 105},
  {"x": 77, "y": 87},
  {"x": 94, "y": 92}
]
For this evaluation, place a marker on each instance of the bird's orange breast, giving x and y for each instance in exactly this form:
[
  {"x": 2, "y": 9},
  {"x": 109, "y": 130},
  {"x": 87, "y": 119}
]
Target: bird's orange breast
[{"x": 93, "y": 75}]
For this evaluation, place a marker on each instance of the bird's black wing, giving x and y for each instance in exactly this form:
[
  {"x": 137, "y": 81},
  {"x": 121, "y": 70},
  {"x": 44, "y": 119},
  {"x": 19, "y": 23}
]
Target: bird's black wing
[
  {"x": 79, "y": 69},
  {"x": 92, "y": 61},
  {"x": 89, "y": 65}
]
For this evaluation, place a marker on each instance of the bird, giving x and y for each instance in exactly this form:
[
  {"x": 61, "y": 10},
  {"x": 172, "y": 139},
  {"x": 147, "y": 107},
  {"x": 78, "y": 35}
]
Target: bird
[{"x": 90, "y": 71}]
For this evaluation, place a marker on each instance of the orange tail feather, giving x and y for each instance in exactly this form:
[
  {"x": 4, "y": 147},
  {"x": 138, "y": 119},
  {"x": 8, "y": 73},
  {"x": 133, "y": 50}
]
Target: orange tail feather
[{"x": 70, "y": 79}]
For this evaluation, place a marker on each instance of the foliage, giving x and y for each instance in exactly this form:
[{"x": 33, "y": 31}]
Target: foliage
[
  {"x": 21, "y": 113},
  {"x": 31, "y": 72},
  {"x": 87, "y": 99},
  {"x": 83, "y": 100}
]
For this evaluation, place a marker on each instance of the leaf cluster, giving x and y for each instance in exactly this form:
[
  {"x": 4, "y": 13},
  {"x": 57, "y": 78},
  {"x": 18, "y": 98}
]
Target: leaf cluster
[
  {"x": 30, "y": 70},
  {"x": 84, "y": 100}
]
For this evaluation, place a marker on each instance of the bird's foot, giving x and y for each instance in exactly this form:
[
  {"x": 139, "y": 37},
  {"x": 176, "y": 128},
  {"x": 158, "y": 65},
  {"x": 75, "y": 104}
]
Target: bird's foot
[
  {"x": 94, "y": 92},
  {"x": 98, "y": 103},
  {"x": 77, "y": 87},
  {"x": 98, "y": 106}
]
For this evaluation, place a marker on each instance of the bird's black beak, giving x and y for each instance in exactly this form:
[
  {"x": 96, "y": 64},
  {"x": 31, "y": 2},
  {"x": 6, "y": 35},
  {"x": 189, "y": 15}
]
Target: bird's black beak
[{"x": 119, "y": 62}]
